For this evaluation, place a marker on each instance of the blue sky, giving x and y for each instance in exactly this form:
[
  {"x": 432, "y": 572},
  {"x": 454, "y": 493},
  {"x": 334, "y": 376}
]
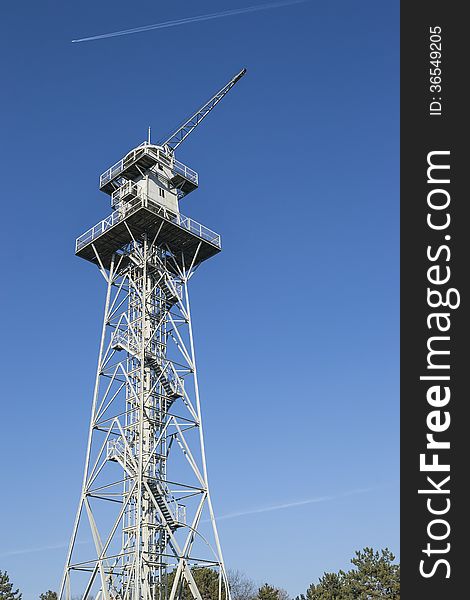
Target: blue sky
[{"x": 296, "y": 321}]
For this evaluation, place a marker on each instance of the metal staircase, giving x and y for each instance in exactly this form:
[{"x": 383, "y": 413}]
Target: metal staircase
[
  {"x": 173, "y": 518},
  {"x": 170, "y": 293},
  {"x": 173, "y": 386},
  {"x": 164, "y": 369}
]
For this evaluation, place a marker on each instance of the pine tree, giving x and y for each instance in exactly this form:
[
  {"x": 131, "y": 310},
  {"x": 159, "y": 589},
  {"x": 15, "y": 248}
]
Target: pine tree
[
  {"x": 49, "y": 595},
  {"x": 330, "y": 587},
  {"x": 375, "y": 577},
  {"x": 6, "y": 588},
  {"x": 267, "y": 592}
]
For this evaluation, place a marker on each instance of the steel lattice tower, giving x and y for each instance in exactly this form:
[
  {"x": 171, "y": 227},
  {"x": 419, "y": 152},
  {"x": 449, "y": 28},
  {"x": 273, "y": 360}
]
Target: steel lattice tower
[{"x": 145, "y": 505}]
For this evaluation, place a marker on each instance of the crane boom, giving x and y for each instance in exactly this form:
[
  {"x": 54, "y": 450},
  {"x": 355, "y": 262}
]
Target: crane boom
[{"x": 176, "y": 138}]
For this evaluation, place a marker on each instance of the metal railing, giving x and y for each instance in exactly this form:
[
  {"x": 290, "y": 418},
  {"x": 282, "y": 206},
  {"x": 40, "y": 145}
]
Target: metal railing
[
  {"x": 114, "y": 449},
  {"x": 134, "y": 155},
  {"x": 179, "y": 512},
  {"x": 129, "y": 188},
  {"x": 141, "y": 200},
  {"x": 97, "y": 230},
  {"x": 130, "y": 158},
  {"x": 185, "y": 171},
  {"x": 120, "y": 339}
]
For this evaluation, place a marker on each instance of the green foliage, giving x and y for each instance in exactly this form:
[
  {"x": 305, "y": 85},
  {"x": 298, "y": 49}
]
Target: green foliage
[
  {"x": 267, "y": 592},
  {"x": 331, "y": 587},
  {"x": 207, "y": 581},
  {"x": 241, "y": 587},
  {"x": 49, "y": 595},
  {"x": 6, "y": 588},
  {"x": 374, "y": 578}
]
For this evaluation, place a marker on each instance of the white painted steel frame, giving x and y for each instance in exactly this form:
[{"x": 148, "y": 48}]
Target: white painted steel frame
[
  {"x": 176, "y": 138},
  {"x": 145, "y": 429}
]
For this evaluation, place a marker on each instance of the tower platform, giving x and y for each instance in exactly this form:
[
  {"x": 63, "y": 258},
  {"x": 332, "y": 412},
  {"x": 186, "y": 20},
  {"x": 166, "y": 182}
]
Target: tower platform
[
  {"x": 142, "y": 215},
  {"x": 145, "y": 157}
]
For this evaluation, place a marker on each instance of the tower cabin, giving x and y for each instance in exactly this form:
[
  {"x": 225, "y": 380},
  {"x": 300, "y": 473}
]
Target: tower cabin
[{"x": 146, "y": 187}]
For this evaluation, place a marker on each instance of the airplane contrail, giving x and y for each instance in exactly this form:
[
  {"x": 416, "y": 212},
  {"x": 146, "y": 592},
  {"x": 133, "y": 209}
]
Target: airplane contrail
[
  {"x": 195, "y": 19},
  {"x": 243, "y": 513},
  {"x": 315, "y": 500}
]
